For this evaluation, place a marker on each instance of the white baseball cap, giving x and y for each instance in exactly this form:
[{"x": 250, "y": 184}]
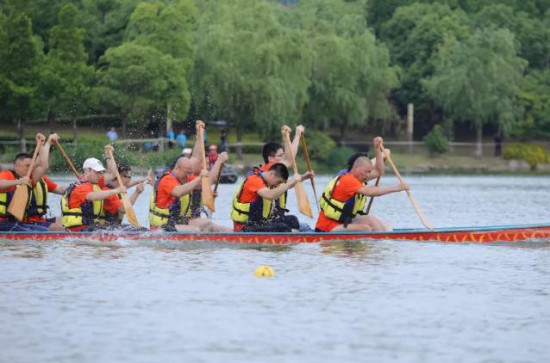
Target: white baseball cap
[
  {"x": 187, "y": 151},
  {"x": 94, "y": 164}
]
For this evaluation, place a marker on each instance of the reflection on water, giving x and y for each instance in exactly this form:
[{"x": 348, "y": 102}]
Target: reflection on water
[
  {"x": 353, "y": 250},
  {"x": 334, "y": 302}
]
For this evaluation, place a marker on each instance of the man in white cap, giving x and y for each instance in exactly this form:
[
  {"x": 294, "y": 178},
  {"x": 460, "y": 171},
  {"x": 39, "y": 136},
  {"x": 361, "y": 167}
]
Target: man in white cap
[{"x": 83, "y": 205}]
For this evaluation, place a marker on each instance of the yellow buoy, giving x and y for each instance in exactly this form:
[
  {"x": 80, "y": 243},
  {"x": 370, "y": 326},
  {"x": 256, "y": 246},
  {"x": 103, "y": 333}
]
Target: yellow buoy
[{"x": 264, "y": 271}]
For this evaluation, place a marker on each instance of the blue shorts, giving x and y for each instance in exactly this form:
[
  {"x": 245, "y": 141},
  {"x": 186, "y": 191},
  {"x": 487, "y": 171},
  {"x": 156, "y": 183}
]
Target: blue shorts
[{"x": 21, "y": 227}]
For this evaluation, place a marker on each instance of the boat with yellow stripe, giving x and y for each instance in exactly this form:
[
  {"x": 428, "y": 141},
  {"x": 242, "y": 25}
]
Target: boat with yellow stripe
[{"x": 488, "y": 234}]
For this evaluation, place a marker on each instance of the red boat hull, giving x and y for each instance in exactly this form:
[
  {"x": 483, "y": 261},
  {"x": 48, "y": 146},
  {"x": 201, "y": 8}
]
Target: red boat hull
[{"x": 451, "y": 235}]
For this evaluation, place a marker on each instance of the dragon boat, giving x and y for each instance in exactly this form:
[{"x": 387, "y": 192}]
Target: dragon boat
[{"x": 488, "y": 234}]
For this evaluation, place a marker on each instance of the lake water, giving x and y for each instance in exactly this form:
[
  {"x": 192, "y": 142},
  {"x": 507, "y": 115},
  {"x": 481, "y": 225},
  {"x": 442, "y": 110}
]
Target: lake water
[{"x": 367, "y": 301}]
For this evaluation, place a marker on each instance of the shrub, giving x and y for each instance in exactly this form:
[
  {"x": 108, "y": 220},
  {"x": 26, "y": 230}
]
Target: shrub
[
  {"x": 338, "y": 157},
  {"x": 319, "y": 145},
  {"x": 88, "y": 148},
  {"x": 532, "y": 154},
  {"x": 435, "y": 141}
]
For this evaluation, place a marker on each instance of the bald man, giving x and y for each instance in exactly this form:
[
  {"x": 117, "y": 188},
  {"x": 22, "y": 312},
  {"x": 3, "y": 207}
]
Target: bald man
[
  {"x": 194, "y": 212},
  {"x": 170, "y": 200},
  {"x": 344, "y": 197}
]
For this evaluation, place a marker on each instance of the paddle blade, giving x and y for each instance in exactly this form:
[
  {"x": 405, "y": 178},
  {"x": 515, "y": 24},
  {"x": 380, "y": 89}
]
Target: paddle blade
[
  {"x": 420, "y": 213},
  {"x": 303, "y": 202},
  {"x": 130, "y": 214},
  {"x": 207, "y": 196},
  {"x": 19, "y": 202}
]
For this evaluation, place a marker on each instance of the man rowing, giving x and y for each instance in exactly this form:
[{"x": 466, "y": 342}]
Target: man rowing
[
  {"x": 171, "y": 196},
  {"x": 273, "y": 153},
  {"x": 196, "y": 205},
  {"x": 38, "y": 204},
  {"x": 9, "y": 180},
  {"x": 114, "y": 221},
  {"x": 254, "y": 200},
  {"x": 344, "y": 197},
  {"x": 85, "y": 203}
]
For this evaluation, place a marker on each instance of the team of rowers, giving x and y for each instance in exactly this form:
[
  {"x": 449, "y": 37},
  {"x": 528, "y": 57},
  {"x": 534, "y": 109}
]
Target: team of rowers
[{"x": 95, "y": 200}]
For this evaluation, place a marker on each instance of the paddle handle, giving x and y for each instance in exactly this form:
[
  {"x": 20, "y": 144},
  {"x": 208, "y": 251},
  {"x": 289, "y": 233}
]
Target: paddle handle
[
  {"x": 200, "y": 140},
  {"x": 286, "y": 138},
  {"x": 413, "y": 202},
  {"x": 66, "y": 157},
  {"x": 207, "y": 195},
  {"x": 115, "y": 171},
  {"x": 34, "y": 157},
  {"x": 306, "y": 153}
]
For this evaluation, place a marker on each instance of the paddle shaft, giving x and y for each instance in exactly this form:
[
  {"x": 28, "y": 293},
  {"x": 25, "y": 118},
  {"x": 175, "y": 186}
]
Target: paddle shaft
[
  {"x": 218, "y": 180},
  {"x": 286, "y": 137},
  {"x": 303, "y": 203},
  {"x": 127, "y": 205},
  {"x": 413, "y": 202},
  {"x": 207, "y": 197},
  {"x": 372, "y": 198},
  {"x": 20, "y": 198},
  {"x": 306, "y": 153},
  {"x": 66, "y": 157}
]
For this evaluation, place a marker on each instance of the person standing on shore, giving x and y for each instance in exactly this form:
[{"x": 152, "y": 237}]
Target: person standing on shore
[
  {"x": 181, "y": 139},
  {"x": 171, "y": 137},
  {"x": 112, "y": 134}
]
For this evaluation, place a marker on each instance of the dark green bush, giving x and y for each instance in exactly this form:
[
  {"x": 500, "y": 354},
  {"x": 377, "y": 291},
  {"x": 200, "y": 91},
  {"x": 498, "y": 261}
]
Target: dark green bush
[
  {"x": 532, "y": 154},
  {"x": 338, "y": 157},
  {"x": 319, "y": 145},
  {"x": 436, "y": 142}
]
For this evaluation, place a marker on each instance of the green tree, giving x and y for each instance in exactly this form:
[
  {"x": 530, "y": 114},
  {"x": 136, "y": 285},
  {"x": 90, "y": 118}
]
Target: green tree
[
  {"x": 152, "y": 67},
  {"x": 65, "y": 77},
  {"x": 19, "y": 72},
  {"x": 255, "y": 70},
  {"x": 351, "y": 78},
  {"x": 531, "y": 32},
  {"x": 169, "y": 29},
  {"x": 535, "y": 95},
  {"x": 413, "y": 35},
  {"x": 478, "y": 80},
  {"x": 105, "y": 22}
]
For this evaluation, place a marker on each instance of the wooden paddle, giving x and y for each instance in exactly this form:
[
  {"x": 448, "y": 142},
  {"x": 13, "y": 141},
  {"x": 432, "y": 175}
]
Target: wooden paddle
[
  {"x": 372, "y": 198},
  {"x": 218, "y": 180},
  {"x": 127, "y": 205},
  {"x": 207, "y": 197},
  {"x": 306, "y": 153},
  {"x": 413, "y": 202},
  {"x": 66, "y": 157},
  {"x": 20, "y": 198},
  {"x": 301, "y": 196}
]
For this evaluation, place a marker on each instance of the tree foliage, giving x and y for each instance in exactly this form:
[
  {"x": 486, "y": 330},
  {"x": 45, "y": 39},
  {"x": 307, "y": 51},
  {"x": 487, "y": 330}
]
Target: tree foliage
[
  {"x": 478, "y": 80},
  {"x": 351, "y": 76},
  {"x": 330, "y": 64},
  {"x": 255, "y": 70}
]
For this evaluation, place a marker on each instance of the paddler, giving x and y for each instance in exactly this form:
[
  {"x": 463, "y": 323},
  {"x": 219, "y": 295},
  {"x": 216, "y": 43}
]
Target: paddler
[
  {"x": 345, "y": 196},
  {"x": 254, "y": 200},
  {"x": 195, "y": 207},
  {"x": 9, "y": 180},
  {"x": 38, "y": 205},
  {"x": 170, "y": 199},
  {"x": 85, "y": 203},
  {"x": 114, "y": 221},
  {"x": 273, "y": 153}
]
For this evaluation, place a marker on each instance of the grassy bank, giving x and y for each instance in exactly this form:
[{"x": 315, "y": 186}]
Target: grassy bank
[{"x": 92, "y": 142}]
